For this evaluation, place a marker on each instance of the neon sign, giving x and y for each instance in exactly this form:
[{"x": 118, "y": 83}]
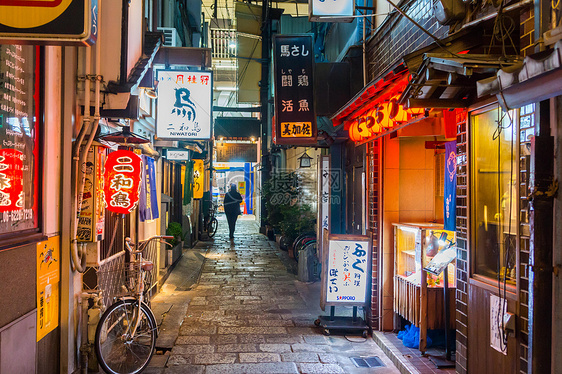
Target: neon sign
[
  {"x": 11, "y": 180},
  {"x": 122, "y": 181},
  {"x": 383, "y": 116}
]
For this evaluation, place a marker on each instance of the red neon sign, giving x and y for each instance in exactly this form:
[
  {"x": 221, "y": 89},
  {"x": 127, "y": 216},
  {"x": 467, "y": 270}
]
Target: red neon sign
[
  {"x": 122, "y": 177},
  {"x": 11, "y": 180}
]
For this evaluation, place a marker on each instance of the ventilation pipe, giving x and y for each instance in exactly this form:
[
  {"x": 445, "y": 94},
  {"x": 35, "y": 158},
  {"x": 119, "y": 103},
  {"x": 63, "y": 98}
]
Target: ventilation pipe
[{"x": 89, "y": 126}]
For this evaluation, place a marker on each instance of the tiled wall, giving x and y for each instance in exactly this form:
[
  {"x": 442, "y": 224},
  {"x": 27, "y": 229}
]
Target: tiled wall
[
  {"x": 462, "y": 244},
  {"x": 527, "y": 32},
  {"x": 398, "y": 36}
]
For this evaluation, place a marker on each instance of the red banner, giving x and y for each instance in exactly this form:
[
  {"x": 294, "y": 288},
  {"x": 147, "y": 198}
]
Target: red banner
[
  {"x": 122, "y": 181},
  {"x": 11, "y": 180}
]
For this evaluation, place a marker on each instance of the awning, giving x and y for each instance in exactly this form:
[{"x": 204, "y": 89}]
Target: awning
[
  {"x": 446, "y": 81},
  {"x": 538, "y": 77},
  {"x": 390, "y": 84},
  {"x": 152, "y": 43}
]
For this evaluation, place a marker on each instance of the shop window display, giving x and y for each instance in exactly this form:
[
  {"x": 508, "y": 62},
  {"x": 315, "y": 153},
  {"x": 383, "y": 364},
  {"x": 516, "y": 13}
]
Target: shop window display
[
  {"x": 494, "y": 181},
  {"x": 19, "y": 139}
]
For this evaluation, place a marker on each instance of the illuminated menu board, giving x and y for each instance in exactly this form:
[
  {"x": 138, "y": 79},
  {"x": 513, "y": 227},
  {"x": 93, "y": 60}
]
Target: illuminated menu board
[{"x": 19, "y": 173}]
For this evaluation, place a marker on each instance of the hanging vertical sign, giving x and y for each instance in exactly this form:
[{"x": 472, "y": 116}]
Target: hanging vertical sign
[
  {"x": 123, "y": 170},
  {"x": 323, "y": 218},
  {"x": 148, "y": 204},
  {"x": 295, "y": 117},
  {"x": 184, "y": 105},
  {"x": 198, "y": 179},
  {"x": 48, "y": 276},
  {"x": 346, "y": 270},
  {"x": 450, "y": 188},
  {"x": 91, "y": 219}
]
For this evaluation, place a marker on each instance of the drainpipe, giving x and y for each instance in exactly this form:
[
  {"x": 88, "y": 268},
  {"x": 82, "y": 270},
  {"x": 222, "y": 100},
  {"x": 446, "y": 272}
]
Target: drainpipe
[{"x": 541, "y": 222}]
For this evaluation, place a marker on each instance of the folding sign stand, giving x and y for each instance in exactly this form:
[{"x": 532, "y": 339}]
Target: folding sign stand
[
  {"x": 333, "y": 322},
  {"x": 439, "y": 264},
  {"x": 346, "y": 268}
]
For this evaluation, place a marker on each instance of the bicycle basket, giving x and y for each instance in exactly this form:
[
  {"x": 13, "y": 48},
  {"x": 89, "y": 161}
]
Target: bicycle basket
[{"x": 117, "y": 279}]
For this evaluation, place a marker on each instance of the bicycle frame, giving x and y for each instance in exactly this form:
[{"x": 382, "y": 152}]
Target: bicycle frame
[{"x": 139, "y": 292}]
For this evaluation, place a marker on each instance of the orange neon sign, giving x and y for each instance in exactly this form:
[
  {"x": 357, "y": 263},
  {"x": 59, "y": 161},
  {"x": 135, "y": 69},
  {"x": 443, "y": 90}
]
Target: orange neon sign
[{"x": 382, "y": 117}]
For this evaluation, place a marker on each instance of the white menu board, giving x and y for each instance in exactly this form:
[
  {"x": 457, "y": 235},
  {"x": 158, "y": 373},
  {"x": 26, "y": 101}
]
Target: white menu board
[{"x": 347, "y": 269}]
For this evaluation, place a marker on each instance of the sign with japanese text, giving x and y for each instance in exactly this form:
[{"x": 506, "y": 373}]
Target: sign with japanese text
[
  {"x": 184, "y": 105},
  {"x": 177, "y": 154},
  {"x": 346, "y": 270},
  {"x": 237, "y": 152},
  {"x": 198, "y": 179},
  {"x": 19, "y": 137},
  {"x": 52, "y": 21},
  {"x": 323, "y": 218},
  {"x": 91, "y": 219},
  {"x": 11, "y": 180},
  {"x": 148, "y": 199},
  {"x": 383, "y": 116},
  {"x": 450, "y": 187},
  {"x": 295, "y": 117},
  {"x": 123, "y": 171},
  {"x": 331, "y": 10},
  {"x": 48, "y": 278}
]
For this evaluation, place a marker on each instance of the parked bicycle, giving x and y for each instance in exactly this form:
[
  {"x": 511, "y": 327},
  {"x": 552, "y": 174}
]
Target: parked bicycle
[
  {"x": 126, "y": 333},
  {"x": 307, "y": 238},
  {"x": 211, "y": 222}
]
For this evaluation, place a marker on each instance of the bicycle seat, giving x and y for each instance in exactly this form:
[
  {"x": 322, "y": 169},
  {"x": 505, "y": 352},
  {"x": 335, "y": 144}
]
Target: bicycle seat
[{"x": 147, "y": 265}]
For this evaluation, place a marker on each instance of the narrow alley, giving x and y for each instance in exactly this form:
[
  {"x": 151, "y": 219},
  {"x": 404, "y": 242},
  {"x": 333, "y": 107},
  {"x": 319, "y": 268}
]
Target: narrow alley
[{"x": 248, "y": 313}]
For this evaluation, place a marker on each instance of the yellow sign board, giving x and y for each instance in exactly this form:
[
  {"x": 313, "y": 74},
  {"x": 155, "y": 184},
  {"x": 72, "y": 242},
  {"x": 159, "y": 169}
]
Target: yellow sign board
[
  {"x": 48, "y": 278},
  {"x": 296, "y": 129},
  {"x": 198, "y": 179},
  {"x": 242, "y": 188}
]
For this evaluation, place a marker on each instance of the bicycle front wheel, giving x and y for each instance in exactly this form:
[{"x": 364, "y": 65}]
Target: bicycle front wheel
[
  {"x": 117, "y": 350},
  {"x": 213, "y": 226}
]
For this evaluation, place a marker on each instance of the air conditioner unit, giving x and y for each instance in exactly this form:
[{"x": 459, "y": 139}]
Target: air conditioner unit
[{"x": 171, "y": 38}]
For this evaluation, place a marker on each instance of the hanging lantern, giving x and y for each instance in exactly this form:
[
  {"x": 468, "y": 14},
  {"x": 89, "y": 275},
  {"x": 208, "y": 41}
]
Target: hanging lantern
[
  {"x": 11, "y": 180},
  {"x": 396, "y": 111},
  {"x": 123, "y": 170}
]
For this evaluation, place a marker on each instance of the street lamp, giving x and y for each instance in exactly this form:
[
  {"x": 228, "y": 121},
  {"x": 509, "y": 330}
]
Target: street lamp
[{"x": 304, "y": 160}]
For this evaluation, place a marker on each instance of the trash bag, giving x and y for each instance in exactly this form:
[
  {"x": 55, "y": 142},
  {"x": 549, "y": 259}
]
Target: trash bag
[{"x": 410, "y": 336}]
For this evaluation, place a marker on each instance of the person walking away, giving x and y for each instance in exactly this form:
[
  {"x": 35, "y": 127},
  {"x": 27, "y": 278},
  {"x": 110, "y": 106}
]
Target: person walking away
[{"x": 232, "y": 201}]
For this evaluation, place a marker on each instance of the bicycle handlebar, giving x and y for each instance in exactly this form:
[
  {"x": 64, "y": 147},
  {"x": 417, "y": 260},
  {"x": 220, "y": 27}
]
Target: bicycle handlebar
[{"x": 144, "y": 243}]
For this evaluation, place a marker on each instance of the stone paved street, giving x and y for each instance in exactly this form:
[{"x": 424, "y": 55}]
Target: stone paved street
[{"x": 249, "y": 314}]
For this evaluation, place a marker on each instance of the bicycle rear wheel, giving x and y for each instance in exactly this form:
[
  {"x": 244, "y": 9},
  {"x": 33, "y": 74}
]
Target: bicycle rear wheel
[
  {"x": 117, "y": 352},
  {"x": 213, "y": 226}
]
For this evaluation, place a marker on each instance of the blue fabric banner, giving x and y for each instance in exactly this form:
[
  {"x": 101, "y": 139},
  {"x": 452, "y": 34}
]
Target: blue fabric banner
[
  {"x": 450, "y": 188},
  {"x": 148, "y": 200},
  {"x": 151, "y": 185},
  {"x": 144, "y": 211}
]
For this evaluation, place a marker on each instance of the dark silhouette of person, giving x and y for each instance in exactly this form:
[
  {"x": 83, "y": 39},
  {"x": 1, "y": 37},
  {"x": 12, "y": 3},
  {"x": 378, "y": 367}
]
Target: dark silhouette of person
[{"x": 232, "y": 201}]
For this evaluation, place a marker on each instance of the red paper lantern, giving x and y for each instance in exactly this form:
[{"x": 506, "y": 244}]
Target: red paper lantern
[
  {"x": 123, "y": 170},
  {"x": 11, "y": 180}
]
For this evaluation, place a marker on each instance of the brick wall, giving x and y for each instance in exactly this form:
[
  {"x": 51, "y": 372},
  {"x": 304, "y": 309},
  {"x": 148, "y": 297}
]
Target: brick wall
[
  {"x": 462, "y": 244},
  {"x": 398, "y": 36},
  {"x": 373, "y": 218}
]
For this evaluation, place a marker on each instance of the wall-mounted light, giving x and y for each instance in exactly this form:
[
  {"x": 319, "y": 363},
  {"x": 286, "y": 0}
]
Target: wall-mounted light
[
  {"x": 304, "y": 160},
  {"x": 151, "y": 93},
  {"x": 252, "y": 139}
]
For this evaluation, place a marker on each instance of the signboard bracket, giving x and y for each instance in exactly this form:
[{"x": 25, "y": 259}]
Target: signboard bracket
[{"x": 344, "y": 323}]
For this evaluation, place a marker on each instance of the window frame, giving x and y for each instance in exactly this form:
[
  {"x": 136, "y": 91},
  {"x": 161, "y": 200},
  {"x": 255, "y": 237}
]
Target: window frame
[
  {"x": 491, "y": 283},
  {"x": 19, "y": 238}
]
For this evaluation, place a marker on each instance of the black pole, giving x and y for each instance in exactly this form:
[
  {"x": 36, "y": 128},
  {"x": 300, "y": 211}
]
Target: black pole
[
  {"x": 446, "y": 302},
  {"x": 540, "y": 247},
  {"x": 264, "y": 99}
]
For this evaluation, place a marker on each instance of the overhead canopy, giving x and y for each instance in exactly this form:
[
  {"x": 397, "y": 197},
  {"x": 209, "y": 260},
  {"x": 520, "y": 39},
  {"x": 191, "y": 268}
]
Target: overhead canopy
[
  {"x": 449, "y": 81},
  {"x": 389, "y": 84},
  {"x": 538, "y": 77}
]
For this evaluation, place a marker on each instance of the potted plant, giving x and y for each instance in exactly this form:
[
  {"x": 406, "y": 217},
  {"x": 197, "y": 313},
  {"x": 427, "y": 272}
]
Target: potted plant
[{"x": 174, "y": 252}]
